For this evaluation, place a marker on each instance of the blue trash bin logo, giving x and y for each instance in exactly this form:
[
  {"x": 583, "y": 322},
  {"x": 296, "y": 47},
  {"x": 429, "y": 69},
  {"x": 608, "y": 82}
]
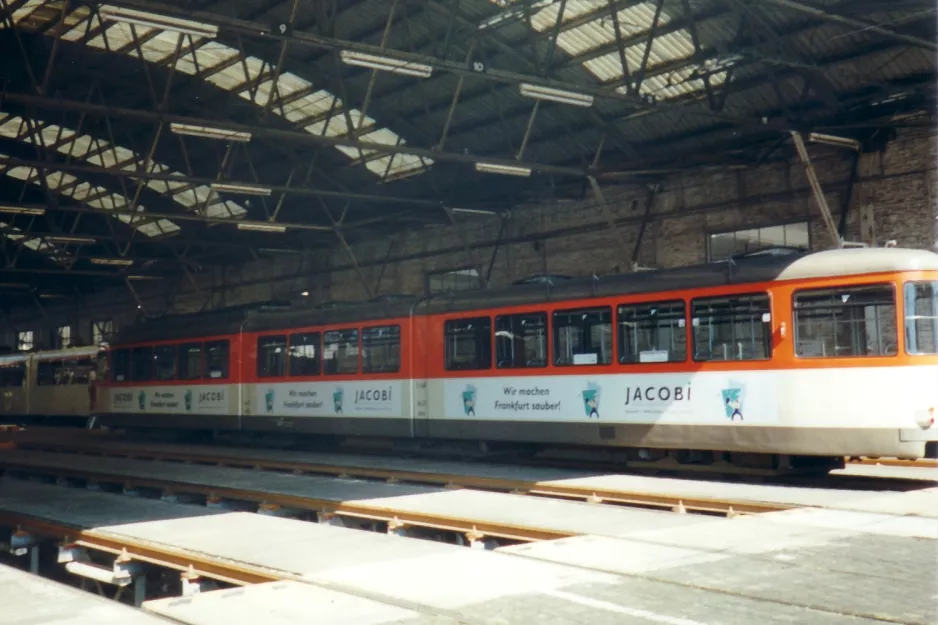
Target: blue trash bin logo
[
  {"x": 337, "y": 399},
  {"x": 733, "y": 397},
  {"x": 269, "y": 400},
  {"x": 187, "y": 398},
  {"x": 469, "y": 400},
  {"x": 591, "y": 400},
  {"x": 142, "y": 400}
]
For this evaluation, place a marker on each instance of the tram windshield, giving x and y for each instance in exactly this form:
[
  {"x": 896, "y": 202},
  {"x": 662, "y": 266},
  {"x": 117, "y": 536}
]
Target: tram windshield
[{"x": 921, "y": 317}]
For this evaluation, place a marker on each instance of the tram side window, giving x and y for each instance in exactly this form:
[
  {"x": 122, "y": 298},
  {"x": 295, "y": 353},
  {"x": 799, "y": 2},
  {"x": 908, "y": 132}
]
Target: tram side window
[
  {"x": 921, "y": 317},
  {"x": 521, "y": 340},
  {"x": 216, "y": 360},
  {"x": 81, "y": 370},
  {"x": 381, "y": 349},
  {"x": 48, "y": 372},
  {"x": 164, "y": 362},
  {"x": 340, "y": 352},
  {"x": 846, "y": 322},
  {"x": 654, "y": 332},
  {"x": 468, "y": 344},
  {"x": 583, "y": 336},
  {"x": 141, "y": 368},
  {"x": 732, "y": 328},
  {"x": 271, "y": 356},
  {"x": 190, "y": 361},
  {"x": 120, "y": 365},
  {"x": 304, "y": 354},
  {"x": 13, "y": 376}
]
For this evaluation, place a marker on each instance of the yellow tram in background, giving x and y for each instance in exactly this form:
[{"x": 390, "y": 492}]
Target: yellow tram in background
[{"x": 50, "y": 386}]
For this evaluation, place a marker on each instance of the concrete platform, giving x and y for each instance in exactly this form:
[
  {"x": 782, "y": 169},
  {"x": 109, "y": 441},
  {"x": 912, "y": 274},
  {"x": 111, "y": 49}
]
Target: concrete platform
[
  {"x": 443, "y": 582},
  {"x": 826, "y": 494},
  {"x": 478, "y": 507},
  {"x": 851, "y": 563},
  {"x": 27, "y": 599},
  {"x": 286, "y": 603}
]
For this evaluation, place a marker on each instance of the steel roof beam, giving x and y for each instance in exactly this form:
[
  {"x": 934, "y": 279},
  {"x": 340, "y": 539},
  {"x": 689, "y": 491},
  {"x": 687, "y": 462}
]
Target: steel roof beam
[
  {"x": 269, "y": 33},
  {"x": 827, "y": 15},
  {"x": 280, "y": 135}
]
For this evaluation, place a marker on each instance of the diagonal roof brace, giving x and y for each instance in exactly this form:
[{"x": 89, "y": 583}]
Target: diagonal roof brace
[{"x": 276, "y": 134}]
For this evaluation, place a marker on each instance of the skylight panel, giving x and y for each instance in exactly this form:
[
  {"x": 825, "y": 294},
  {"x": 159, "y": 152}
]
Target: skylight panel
[
  {"x": 214, "y": 62},
  {"x": 634, "y": 22},
  {"x": 211, "y": 54},
  {"x": 118, "y": 36}
]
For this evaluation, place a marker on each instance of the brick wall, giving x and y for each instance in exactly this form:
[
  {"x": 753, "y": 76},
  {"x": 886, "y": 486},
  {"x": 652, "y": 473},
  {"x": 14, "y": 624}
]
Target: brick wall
[{"x": 896, "y": 188}]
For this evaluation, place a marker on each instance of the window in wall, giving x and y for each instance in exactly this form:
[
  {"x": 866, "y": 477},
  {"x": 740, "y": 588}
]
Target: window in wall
[
  {"x": 271, "y": 356},
  {"x": 340, "y": 352},
  {"x": 737, "y": 327},
  {"x": 119, "y": 363},
  {"x": 723, "y": 245},
  {"x": 141, "y": 363},
  {"x": 13, "y": 375},
  {"x": 164, "y": 362},
  {"x": 655, "y": 332},
  {"x": 64, "y": 336},
  {"x": 583, "y": 336},
  {"x": 216, "y": 359},
  {"x": 455, "y": 280},
  {"x": 468, "y": 344},
  {"x": 846, "y": 321},
  {"x": 521, "y": 340},
  {"x": 921, "y": 317},
  {"x": 190, "y": 361},
  {"x": 24, "y": 341},
  {"x": 304, "y": 354},
  {"x": 101, "y": 331}
]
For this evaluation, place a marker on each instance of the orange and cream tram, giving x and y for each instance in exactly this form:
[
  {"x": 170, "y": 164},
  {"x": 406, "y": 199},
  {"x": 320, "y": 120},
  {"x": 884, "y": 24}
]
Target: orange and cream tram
[{"x": 826, "y": 354}]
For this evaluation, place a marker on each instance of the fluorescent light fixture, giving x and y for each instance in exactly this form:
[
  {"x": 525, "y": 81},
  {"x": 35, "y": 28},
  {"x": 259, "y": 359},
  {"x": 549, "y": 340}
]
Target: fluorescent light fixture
[
  {"x": 507, "y": 170},
  {"x": 67, "y": 238},
  {"x": 52, "y": 296},
  {"x": 556, "y": 95},
  {"x": 14, "y": 285},
  {"x": 262, "y": 227},
  {"x": 155, "y": 20},
  {"x": 115, "y": 262},
  {"x": 473, "y": 211},
  {"x": 139, "y": 277},
  {"x": 210, "y": 133},
  {"x": 275, "y": 250},
  {"x": 841, "y": 142},
  {"x": 22, "y": 210},
  {"x": 386, "y": 64},
  {"x": 305, "y": 293},
  {"x": 244, "y": 189}
]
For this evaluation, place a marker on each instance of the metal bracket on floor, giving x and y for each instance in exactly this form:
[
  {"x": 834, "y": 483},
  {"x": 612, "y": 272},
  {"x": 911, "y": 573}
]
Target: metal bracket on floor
[
  {"x": 123, "y": 571},
  {"x": 396, "y": 527},
  {"x": 272, "y": 509},
  {"x": 22, "y": 543},
  {"x": 193, "y": 584},
  {"x": 477, "y": 540}
]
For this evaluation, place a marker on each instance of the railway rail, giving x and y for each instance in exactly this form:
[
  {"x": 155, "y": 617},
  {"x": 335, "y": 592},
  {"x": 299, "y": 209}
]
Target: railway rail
[{"x": 101, "y": 445}]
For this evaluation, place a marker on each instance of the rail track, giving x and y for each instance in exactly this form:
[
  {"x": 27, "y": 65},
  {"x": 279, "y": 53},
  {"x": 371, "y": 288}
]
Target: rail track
[{"x": 102, "y": 445}]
